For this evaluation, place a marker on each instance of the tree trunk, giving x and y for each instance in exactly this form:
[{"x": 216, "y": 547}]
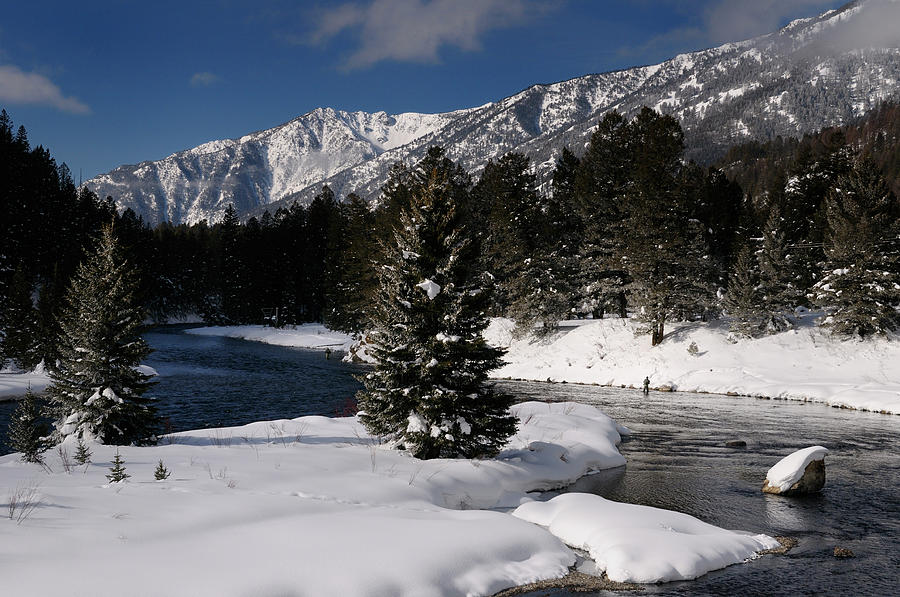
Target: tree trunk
[{"x": 658, "y": 332}]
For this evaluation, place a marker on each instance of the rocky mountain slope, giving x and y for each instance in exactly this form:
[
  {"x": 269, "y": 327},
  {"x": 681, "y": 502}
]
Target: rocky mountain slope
[{"x": 813, "y": 73}]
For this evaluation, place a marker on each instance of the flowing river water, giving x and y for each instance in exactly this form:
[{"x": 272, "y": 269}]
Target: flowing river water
[{"x": 677, "y": 457}]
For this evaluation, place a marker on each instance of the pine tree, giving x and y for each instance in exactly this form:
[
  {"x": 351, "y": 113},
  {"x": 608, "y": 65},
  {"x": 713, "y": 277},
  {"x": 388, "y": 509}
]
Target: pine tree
[
  {"x": 507, "y": 196},
  {"x": 19, "y": 321},
  {"x": 542, "y": 294},
  {"x": 82, "y": 453},
  {"x": 97, "y": 391},
  {"x": 233, "y": 269},
  {"x": 743, "y": 301},
  {"x": 428, "y": 391},
  {"x": 354, "y": 283},
  {"x": 780, "y": 284},
  {"x": 27, "y": 431},
  {"x": 117, "y": 470},
  {"x": 860, "y": 289},
  {"x": 664, "y": 249},
  {"x": 601, "y": 179},
  {"x": 161, "y": 473}
]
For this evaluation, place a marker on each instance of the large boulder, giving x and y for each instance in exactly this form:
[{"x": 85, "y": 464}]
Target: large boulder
[{"x": 799, "y": 473}]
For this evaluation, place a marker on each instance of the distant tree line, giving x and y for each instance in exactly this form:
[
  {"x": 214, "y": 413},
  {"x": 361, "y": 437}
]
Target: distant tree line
[{"x": 628, "y": 228}]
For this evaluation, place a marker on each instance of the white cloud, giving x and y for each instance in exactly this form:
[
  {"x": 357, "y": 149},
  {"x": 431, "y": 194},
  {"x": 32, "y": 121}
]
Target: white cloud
[
  {"x": 203, "y": 79},
  {"x": 734, "y": 20},
  {"x": 19, "y": 87},
  {"x": 722, "y": 21},
  {"x": 416, "y": 30}
]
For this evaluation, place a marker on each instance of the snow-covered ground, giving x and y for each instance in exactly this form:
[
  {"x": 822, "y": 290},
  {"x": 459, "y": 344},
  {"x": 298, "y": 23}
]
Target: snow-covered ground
[
  {"x": 313, "y": 506},
  {"x": 802, "y": 364},
  {"x": 14, "y": 384},
  {"x": 308, "y": 335}
]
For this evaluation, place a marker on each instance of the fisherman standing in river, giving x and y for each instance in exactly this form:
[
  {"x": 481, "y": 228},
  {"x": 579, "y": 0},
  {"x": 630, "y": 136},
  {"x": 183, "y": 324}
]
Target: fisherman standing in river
[{"x": 646, "y": 385}]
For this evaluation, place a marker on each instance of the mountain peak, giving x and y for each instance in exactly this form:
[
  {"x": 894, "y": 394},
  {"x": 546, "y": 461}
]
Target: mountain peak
[{"x": 812, "y": 73}]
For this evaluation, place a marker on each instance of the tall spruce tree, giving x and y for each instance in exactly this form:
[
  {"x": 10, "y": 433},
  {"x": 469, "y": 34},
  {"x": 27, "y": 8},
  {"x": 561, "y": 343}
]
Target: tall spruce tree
[
  {"x": 743, "y": 302},
  {"x": 780, "y": 282},
  {"x": 664, "y": 250},
  {"x": 27, "y": 430},
  {"x": 860, "y": 288},
  {"x": 428, "y": 392},
  {"x": 354, "y": 283},
  {"x": 20, "y": 324},
  {"x": 97, "y": 390},
  {"x": 601, "y": 179}
]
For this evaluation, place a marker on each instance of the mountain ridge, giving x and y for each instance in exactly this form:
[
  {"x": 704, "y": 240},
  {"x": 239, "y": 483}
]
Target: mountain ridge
[{"x": 783, "y": 83}]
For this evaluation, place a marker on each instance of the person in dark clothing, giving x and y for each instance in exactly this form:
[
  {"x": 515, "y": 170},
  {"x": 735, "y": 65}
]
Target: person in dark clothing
[{"x": 646, "y": 385}]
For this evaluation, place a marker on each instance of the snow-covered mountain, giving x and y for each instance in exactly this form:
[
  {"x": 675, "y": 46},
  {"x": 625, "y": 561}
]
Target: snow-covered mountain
[{"x": 812, "y": 73}]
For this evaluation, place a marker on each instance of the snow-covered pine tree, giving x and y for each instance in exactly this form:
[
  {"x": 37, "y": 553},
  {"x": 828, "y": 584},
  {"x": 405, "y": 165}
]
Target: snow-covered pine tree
[
  {"x": 743, "y": 301},
  {"x": 117, "y": 470},
  {"x": 233, "y": 269},
  {"x": 161, "y": 473},
  {"x": 27, "y": 431},
  {"x": 860, "y": 288},
  {"x": 601, "y": 178},
  {"x": 778, "y": 278},
  {"x": 664, "y": 249},
  {"x": 97, "y": 391},
  {"x": 428, "y": 392},
  {"x": 350, "y": 294},
  {"x": 516, "y": 225},
  {"x": 542, "y": 294},
  {"x": 82, "y": 453}
]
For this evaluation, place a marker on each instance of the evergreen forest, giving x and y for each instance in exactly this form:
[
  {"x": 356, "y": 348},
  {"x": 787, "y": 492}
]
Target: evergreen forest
[{"x": 626, "y": 228}]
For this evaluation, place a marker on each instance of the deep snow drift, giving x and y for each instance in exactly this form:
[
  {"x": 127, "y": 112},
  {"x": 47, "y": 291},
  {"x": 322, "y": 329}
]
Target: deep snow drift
[
  {"x": 803, "y": 364},
  {"x": 634, "y": 543},
  {"x": 313, "y": 506}
]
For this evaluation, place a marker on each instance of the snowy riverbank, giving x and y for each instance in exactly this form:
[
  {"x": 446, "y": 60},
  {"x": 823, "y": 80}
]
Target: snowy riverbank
[
  {"x": 313, "y": 506},
  {"x": 307, "y": 335},
  {"x": 14, "y": 384},
  {"x": 802, "y": 364}
]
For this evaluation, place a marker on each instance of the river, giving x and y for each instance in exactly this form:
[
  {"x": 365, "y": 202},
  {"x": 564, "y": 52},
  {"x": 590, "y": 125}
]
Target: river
[{"x": 677, "y": 458}]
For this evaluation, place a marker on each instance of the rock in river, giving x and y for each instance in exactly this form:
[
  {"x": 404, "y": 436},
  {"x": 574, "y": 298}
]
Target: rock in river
[{"x": 798, "y": 473}]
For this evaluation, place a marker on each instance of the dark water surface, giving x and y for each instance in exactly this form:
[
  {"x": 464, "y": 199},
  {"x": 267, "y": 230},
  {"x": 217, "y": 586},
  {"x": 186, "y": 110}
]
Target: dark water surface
[
  {"x": 677, "y": 458},
  {"x": 208, "y": 381}
]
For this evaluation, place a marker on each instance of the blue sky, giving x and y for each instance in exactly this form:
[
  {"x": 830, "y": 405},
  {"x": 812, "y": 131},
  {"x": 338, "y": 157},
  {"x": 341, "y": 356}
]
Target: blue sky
[{"x": 106, "y": 83}]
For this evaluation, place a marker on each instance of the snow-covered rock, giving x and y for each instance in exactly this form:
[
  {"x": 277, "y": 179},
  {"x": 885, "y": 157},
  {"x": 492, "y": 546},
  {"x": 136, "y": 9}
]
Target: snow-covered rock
[
  {"x": 800, "y": 472},
  {"x": 633, "y": 543}
]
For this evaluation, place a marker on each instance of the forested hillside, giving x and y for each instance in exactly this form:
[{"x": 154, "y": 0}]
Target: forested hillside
[{"x": 627, "y": 228}]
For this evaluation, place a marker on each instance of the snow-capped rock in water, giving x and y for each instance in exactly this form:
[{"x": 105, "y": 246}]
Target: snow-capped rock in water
[
  {"x": 634, "y": 543},
  {"x": 808, "y": 75},
  {"x": 798, "y": 473}
]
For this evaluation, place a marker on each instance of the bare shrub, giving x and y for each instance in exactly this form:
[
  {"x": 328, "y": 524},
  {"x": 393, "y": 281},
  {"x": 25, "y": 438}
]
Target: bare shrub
[
  {"x": 22, "y": 502},
  {"x": 64, "y": 458}
]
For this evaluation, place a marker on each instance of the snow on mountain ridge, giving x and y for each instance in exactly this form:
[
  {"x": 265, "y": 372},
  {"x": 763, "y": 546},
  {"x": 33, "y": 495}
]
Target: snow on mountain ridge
[{"x": 783, "y": 83}]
